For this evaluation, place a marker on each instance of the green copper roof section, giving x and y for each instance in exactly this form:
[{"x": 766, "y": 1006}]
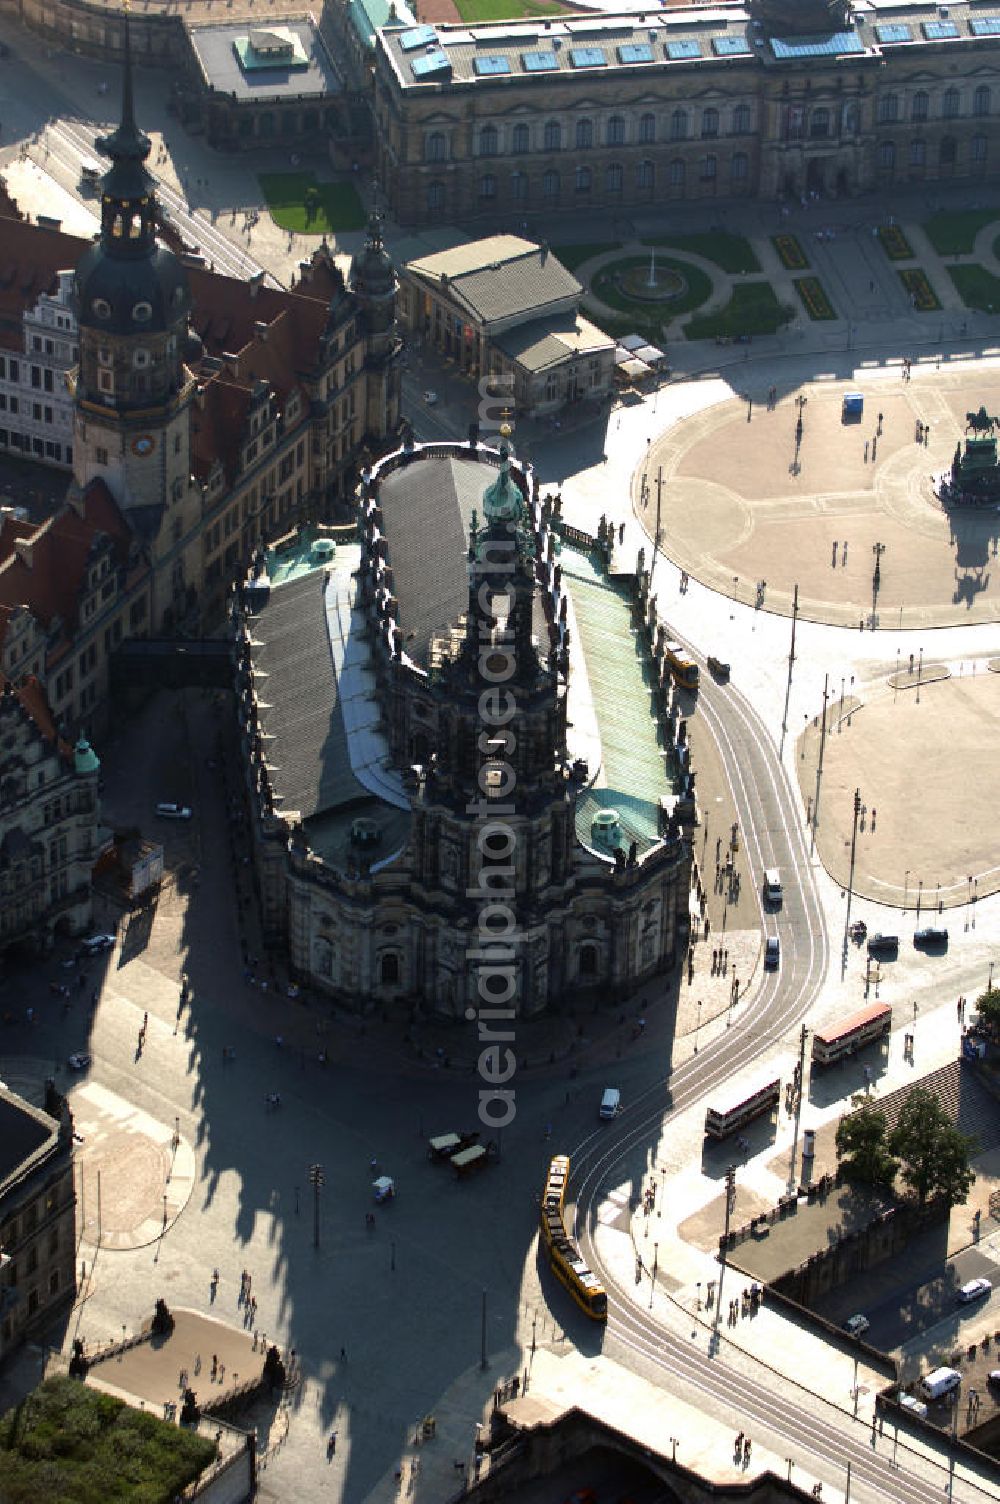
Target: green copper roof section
[
  {"x": 368, "y": 15},
  {"x": 502, "y": 500},
  {"x": 85, "y": 759},
  {"x": 621, "y": 685}
]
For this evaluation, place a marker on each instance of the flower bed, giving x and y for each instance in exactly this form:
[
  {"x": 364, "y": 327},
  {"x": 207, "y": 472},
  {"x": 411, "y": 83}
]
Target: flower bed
[
  {"x": 817, "y": 304},
  {"x": 793, "y": 257},
  {"x": 921, "y": 294},
  {"x": 895, "y": 243}
]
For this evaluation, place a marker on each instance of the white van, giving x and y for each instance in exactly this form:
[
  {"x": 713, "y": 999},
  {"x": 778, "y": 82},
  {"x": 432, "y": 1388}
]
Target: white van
[
  {"x": 772, "y": 886},
  {"x": 611, "y": 1102},
  {"x": 939, "y": 1382}
]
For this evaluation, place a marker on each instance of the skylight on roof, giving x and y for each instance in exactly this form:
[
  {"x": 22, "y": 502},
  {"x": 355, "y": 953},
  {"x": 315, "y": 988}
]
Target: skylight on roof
[
  {"x": 635, "y": 52},
  {"x": 730, "y": 46},
  {"x": 832, "y": 46},
  {"x": 431, "y": 63},
  {"x": 895, "y": 32},
  {"x": 418, "y": 37},
  {"x": 686, "y": 47},
  {"x": 985, "y": 26},
  {"x": 588, "y": 57},
  {"x": 937, "y": 31},
  {"x": 538, "y": 62},
  {"x": 488, "y": 67}
]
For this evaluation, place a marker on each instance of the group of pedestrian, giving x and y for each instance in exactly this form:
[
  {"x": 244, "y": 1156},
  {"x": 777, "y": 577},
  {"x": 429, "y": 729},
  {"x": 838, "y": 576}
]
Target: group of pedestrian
[{"x": 836, "y": 543}]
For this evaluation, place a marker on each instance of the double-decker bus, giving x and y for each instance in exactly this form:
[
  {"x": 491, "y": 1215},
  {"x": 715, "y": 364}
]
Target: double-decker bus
[
  {"x": 720, "y": 1122},
  {"x": 841, "y": 1040},
  {"x": 681, "y": 665},
  {"x": 564, "y": 1256}
]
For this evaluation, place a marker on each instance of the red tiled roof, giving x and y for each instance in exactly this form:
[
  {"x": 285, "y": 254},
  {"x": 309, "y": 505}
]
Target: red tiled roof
[
  {"x": 30, "y": 693},
  {"x": 217, "y": 426},
  {"x": 45, "y": 573}
]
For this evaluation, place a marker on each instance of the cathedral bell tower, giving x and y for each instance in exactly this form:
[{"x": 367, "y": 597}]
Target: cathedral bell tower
[
  {"x": 132, "y": 301},
  {"x": 374, "y": 284}
]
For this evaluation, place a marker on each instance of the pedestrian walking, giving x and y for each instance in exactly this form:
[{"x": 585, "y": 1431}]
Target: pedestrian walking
[
  {"x": 215, "y": 1367},
  {"x": 222, "y": 1372},
  {"x": 343, "y": 1355}
]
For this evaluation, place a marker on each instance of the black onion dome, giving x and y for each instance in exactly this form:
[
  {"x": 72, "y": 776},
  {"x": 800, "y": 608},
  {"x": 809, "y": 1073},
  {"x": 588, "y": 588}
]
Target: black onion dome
[
  {"x": 131, "y": 297},
  {"x": 372, "y": 271}
]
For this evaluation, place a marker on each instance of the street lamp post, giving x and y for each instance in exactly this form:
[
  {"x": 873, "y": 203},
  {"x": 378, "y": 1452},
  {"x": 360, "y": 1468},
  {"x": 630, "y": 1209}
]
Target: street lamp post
[
  {"x": 697, "y": 1027},
  {"x": 906, "y": 887},
  {"x": 878, "y": 549},
  {"x": 317, "y": 1179}
]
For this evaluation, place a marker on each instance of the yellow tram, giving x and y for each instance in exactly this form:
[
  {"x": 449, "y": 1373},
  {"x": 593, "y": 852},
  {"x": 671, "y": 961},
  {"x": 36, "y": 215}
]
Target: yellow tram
[{"x": 564, "y": 1256}]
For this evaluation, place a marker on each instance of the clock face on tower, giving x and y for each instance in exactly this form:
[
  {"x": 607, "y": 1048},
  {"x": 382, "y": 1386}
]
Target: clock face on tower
[{"x": 143, "y": 445}]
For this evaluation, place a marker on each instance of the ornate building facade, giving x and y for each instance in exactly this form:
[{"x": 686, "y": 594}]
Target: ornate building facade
[
  {"x": 368, "y": 812},
  {"x": 209, "y": 417},
  {"x": 49, "y": 817},
  {"x": 757, "y": 100}
]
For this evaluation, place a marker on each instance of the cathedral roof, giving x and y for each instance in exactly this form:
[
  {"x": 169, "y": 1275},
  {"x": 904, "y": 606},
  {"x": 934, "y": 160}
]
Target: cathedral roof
[{"x": 427, "y": 508}]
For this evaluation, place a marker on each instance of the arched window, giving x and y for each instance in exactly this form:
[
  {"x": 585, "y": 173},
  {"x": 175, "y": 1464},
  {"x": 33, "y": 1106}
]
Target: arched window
[
  {"x": 435, "y": 197},
  {"x": 948, "y": 151},
  {"x": 489, "y": 141},
  {"x": 519, "y": 139},
  {"x": 981, "y": 101},
  {"x": 553, "y": 135},
  {"x": 647, "y": 128},
  {"x": 921, "y": 106},
  {"x": 584, "y": 179},
  {"x": 918, "y": 153},
  {"x": 584, "y": 134},
  {"x": 739, "y": 167},
  {"x": 550, "y": 184},
  {"x": 588, "y": 960},
  {"x": 709, "y": 168},
  {"x": 979, "y": 148},
  {"x": 888, "y": 108},
  {"x": 436, "y": 147},
  {"x": 742, "y": 120},
  {"x": 950, "y": 104},
  {"x": 645, "y": 175},
  {"x": 487, "y": 186},
  {"x": 677, "y": 173},
  {"x": 519, "y": 186},
  {"x": 614, "y": 178},
  {"x": 616, "y": 131},
  {"x": 819, "y": 124},
  {"x": 389, "y": 969},
  {"x": 887, "y": 154},
  {"x": 710, "y": 122},
  {"x": 679, "y": 125}
]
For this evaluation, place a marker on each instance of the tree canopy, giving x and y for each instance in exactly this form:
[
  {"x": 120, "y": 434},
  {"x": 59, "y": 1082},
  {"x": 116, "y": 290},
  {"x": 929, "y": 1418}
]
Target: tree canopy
[
  {"x": 988, "y": 1008},
  {"x": 933, "y": 1154},
  {"x": 862, "y": 1150}
]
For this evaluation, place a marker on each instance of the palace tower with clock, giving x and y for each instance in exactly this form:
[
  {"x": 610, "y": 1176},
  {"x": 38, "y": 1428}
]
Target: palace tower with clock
[{"x": 132, "y": 389}]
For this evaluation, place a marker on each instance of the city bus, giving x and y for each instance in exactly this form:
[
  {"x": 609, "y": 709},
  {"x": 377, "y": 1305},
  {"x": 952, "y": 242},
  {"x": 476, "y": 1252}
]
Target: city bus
[
  {"x": 720, "y": 1122},
  {"x": 841, "y": 1040},
  {"x": 681, "y": 665},
  {"x": 563, "y": 1255}
]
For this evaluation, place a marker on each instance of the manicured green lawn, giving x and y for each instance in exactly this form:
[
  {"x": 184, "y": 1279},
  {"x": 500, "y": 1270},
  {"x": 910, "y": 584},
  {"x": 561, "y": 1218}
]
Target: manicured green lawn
[
  {"x": 698, "y": 290},
  {"x": 732, "y": 252},
  {"x": 338, "y": 206},
  {"x": 573, "y": 256},
  {"x": 506, "y": 10},
  {"x": 69, "y": 1444},
  {"x": 955, "y": 234},
  {"x": 977, "y": 287},
  {"x": 620, "y": 324},
  {"x": 752, "y": 309}
]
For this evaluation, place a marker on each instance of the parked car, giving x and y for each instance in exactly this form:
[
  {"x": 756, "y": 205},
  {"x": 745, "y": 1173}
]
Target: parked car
[
  {"x": 94, "y": 944},
  {"x": 930, "y": 935},
  {"x": 882, "y": 945},
  {"x": 913, "y": 1405},
  {"x": 772, "y": 952},
  {"x": 717, "y": 667},
  {"x": 856, "y": 1326},
  {"x": 430, "y": 398},
  {"x": 974, "y": 1289},
  {"x": 173, "y": 811},
  {"x": 78, "y": 1062}
]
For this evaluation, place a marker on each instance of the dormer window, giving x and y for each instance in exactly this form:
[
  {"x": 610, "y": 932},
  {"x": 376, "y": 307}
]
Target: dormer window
[{"x": 142, "y": 313}]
